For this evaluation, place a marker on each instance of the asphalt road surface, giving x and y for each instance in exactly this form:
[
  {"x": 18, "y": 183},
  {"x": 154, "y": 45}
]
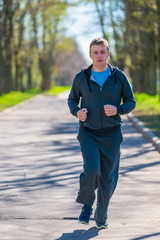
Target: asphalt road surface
[{"x": 40, "y": 163}]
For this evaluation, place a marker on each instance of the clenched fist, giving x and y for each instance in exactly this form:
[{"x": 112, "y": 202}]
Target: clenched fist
[
  {"x": 82, "y": 114},
  {"x": 110, "y": 110}
]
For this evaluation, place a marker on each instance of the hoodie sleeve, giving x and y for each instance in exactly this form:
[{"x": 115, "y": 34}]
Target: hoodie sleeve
[
  {"x": 74, "y": 96},
  {"x": 127, "y": 96}
]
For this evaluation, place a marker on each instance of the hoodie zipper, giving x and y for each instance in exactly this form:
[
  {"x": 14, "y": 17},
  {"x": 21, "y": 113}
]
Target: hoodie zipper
[
  {"x": 101, "y": 88},
  {"x": 102, "y": 107}
]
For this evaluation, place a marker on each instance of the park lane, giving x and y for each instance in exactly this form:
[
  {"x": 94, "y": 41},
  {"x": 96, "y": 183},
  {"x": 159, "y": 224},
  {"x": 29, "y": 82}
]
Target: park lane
[{"x": 40, "y": 166}]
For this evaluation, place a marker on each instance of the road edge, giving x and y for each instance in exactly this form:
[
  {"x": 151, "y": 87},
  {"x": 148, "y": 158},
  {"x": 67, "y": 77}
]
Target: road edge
[{"x": 145, "y": 131}]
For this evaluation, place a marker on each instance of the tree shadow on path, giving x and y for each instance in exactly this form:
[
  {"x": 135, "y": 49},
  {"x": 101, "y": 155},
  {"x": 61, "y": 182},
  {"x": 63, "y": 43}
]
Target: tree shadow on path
[
  {"x": 147, "y": 236},
  {"x": 80, "y": 234}
]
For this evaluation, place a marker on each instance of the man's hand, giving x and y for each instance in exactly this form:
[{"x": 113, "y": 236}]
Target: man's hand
[
  {"x": 110, "y": 110},
  {"x": 82, "y": 114}
]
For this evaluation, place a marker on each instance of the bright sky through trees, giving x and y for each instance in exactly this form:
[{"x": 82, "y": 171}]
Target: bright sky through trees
[{"x": 80, "y": 25}]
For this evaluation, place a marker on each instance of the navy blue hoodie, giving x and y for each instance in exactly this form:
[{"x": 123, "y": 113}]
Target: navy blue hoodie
[{"x": 86, "y": 93}]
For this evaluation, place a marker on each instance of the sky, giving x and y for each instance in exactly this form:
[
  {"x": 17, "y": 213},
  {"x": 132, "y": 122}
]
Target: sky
[{"x": 81, "y": 24}]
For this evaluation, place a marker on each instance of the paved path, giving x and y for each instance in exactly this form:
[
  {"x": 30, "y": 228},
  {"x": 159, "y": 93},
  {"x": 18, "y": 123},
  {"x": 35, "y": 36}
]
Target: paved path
[{"x": 40, "y": 163}]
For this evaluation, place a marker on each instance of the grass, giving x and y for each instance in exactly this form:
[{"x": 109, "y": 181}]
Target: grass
[
  {"x": 57, "y": 89},
  {"x": 148, "y": 111},
  {"x": 14, "y": 97}
]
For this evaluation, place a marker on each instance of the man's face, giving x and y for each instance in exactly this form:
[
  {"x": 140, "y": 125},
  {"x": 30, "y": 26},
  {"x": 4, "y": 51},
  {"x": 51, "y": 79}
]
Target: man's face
[{"x": 99, "y": 55}]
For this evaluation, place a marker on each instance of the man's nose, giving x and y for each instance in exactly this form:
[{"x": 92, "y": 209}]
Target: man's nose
[{"x": 99, "y": 54}]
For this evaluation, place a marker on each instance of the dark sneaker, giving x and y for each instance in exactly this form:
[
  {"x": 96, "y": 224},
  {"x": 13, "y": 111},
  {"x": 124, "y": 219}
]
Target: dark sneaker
[
  {"x": 84, "y": 217},
  {"x": 102, "y": 225}
]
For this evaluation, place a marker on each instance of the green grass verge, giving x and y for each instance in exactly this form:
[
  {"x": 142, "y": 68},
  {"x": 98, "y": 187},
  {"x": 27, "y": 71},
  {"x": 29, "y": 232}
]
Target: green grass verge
[
  {"x": 57, "y": 89},
  {"x": 14, "y": 97},
  {"x": 148, "y": 111}
]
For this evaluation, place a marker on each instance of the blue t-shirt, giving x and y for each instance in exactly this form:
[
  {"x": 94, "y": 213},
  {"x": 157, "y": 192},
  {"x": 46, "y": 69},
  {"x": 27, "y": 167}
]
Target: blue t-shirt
[{"x": 100, "y": 77}]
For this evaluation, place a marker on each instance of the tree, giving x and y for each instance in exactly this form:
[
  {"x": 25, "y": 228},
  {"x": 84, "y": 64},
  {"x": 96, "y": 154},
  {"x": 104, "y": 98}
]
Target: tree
[
  {"x": 19, "y": 42},
  {"x": 158, "y": 42},
  {"x": 135, "y": 30},
  {"x": 140, "y": 38},
  {"x": 6, "y": 33},
  {"x": 29, "y": 31}
]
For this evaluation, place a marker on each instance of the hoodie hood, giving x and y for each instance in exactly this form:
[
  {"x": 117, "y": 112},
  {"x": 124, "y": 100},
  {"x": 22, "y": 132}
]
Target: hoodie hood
[{"x": 87, "y": 73}]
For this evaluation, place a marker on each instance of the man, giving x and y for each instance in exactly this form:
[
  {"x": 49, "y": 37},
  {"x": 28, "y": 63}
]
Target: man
[{"x": 95, "y": 99}]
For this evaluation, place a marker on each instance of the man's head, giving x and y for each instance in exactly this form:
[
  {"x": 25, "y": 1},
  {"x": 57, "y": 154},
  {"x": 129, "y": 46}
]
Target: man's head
[
  {"x": 99, "y": 52},
  {"x": 99, "y": 41}
]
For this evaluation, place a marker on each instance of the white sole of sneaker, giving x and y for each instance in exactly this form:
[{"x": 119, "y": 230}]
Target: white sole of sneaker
[
  {"x": 102, "y": 226},
  {"x": 82, "y": 222}
]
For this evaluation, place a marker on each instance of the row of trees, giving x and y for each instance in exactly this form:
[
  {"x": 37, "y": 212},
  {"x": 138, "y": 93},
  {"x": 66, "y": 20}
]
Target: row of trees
[
  {"x": 142, "y": 43},
  {"x": 136, "y": 33},
  {"x": 30, "y": 41}
]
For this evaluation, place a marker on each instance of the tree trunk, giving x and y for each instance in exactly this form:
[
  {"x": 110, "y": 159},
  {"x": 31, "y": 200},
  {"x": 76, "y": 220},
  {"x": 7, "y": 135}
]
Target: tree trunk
[
  {"x": 158, "y": 46},
  {"x": 29, "y": 77},
  {"x": 150, "y": 66},
  {"x": 2, "y": 74},
  {"x": 45, "y": 69},
  {"x": 6, "y": 30},
  {"x": 101, "y": 15},
  {"x": 8, "y": 33}
]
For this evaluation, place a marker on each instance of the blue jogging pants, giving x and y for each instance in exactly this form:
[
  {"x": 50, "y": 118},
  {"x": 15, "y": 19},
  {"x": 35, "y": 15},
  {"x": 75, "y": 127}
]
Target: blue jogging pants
[{"x": 101, "y": 154}]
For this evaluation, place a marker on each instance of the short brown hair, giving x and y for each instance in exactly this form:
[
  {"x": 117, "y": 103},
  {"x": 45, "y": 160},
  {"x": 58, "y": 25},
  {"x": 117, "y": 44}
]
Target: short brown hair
[{"x": 98, "y": 41}]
